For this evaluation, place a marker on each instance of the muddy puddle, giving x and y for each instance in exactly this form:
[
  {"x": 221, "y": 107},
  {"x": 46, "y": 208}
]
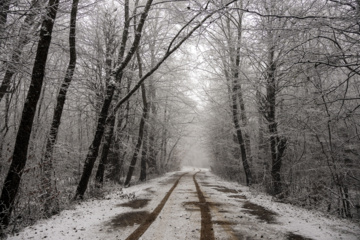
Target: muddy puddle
[
  {"x": 135, "y": 204},
  {"x": 260, "y": 212},
  {"x": 128, "y": 219},
  {"x": 293, "y": 236}
]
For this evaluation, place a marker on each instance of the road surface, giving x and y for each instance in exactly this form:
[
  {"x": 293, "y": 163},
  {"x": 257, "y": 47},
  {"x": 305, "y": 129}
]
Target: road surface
[{"x": 189, "y": 204}]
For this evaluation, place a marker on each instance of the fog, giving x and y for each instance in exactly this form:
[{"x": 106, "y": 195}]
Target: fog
[{"x": 193, "y": 147}]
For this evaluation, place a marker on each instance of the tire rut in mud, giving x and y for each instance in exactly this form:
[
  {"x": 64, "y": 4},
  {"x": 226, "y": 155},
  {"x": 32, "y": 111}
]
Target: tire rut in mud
[
  {"x": 152, "y": 216},
  {"x": 207, "y": 231}
]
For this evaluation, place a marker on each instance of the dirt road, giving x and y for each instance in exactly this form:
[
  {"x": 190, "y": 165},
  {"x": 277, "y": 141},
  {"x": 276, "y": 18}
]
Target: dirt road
[
  {"x": 196, "y": 207},
  {"x": 189, "y": 204}
]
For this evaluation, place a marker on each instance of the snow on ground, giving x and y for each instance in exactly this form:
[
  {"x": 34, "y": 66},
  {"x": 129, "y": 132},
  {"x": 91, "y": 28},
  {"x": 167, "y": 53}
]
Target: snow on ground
[
  {"x": 307, "y": 223},
  {"x": 91, "y": 219}
]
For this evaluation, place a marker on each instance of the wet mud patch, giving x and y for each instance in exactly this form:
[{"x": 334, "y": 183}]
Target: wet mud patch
[
  {"x": 240, "y": 236},
  {"x": 226, "y": 190},
  {"x": 293, "y": 236},
  {"x": 149, "y": 190},
  {"x": 214, "y": 204},
  {"x": 135, "y": 204},
  {"x": 237, "y": 196},
  {"x": 223, "y": 211},
  {"x": 128, "y": 219},
  {"x": 204, "y": 183},
  {"x": 260, "y": 212}
]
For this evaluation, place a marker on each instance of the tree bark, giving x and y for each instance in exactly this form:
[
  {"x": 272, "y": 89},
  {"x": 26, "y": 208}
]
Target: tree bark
[
  {"x": 99, "y": 177},
  {"x": 152, "y": 115},
  {"x": 145, "y": 129},
  {"x": 153, "y": 168},
  {"x": 234, "y": 51},
  {"x": 12, "y": 181},
  {"x": 116, "y": 77},
  {"x": 137, "y": 147},
  {"x": 142, "y": 131},
  {"x": 94, "y": 147},
  {"x": 277, "y": 144},
  {"x": 144, "y": 139},
  {"x": 164, "y": 135},
  {"x": 47, "y": 164},
  {"x": 235, "y": 115}
]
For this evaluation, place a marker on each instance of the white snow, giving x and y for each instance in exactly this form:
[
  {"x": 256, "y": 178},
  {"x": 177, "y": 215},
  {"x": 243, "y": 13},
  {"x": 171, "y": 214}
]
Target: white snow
[{"x": 90, "y": 219}]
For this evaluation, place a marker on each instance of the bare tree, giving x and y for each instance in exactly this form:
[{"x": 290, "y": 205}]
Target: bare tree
[
  {"x": 115, "y": 77},
  {"x": 19, "y": 157},
  {"x": 28, "y": 26},
  {"x": 47, "y": 165}
]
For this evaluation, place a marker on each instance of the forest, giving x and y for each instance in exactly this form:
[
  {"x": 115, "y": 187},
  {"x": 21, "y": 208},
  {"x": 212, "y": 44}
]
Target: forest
[{"x": 99, "y": 94}]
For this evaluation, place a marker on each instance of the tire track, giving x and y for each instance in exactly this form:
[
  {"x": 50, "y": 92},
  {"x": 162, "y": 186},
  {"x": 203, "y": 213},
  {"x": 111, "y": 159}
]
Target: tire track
[
  {"x": 152, "y": 217},
  {"x": 207, "y": 231}
]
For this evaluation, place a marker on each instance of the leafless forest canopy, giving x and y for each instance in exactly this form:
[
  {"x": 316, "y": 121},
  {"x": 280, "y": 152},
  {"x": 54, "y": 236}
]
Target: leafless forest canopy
[{"x": 102, "y": 94}]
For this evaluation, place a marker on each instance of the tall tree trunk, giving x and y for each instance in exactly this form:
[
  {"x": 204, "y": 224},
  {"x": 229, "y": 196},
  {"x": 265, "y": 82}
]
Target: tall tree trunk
[
  {"x": 235, "y": 115},
  {"x": 153, "y": 168},
  {"x": 277, "y": 144},
  {"x": 236, "y": 93},
  {"x": 235, "y": 151},
  {"x": 12, "y": 181},
  {"x": 47, "y": 164},
  {"x": 94, "y": 147},
  {"x": 163, "y": 146},
  {"x": 23, "y": 39},
  {"x": 4, "y": 130},
  {"x": 263, "y": 144},
  {"x": 145, "y": 129},
  {"x": 119, "y": 151},
  {"x": 245, "y": 123},
  {"x": 116, "y": 77},
  {"x": 142, "y": 131},
  {"x": 144, "y": 151},
  {"x": 99, "y": 177},
  {"x": 144, "y": 139},
  {"x": 137, "y": 146},
  {"x": 151, "y": 148}
]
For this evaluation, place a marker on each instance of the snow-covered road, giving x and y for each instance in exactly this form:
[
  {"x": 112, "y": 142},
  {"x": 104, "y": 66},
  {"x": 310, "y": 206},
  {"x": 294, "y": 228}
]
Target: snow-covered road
[{"x": 173, "y": 207}]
